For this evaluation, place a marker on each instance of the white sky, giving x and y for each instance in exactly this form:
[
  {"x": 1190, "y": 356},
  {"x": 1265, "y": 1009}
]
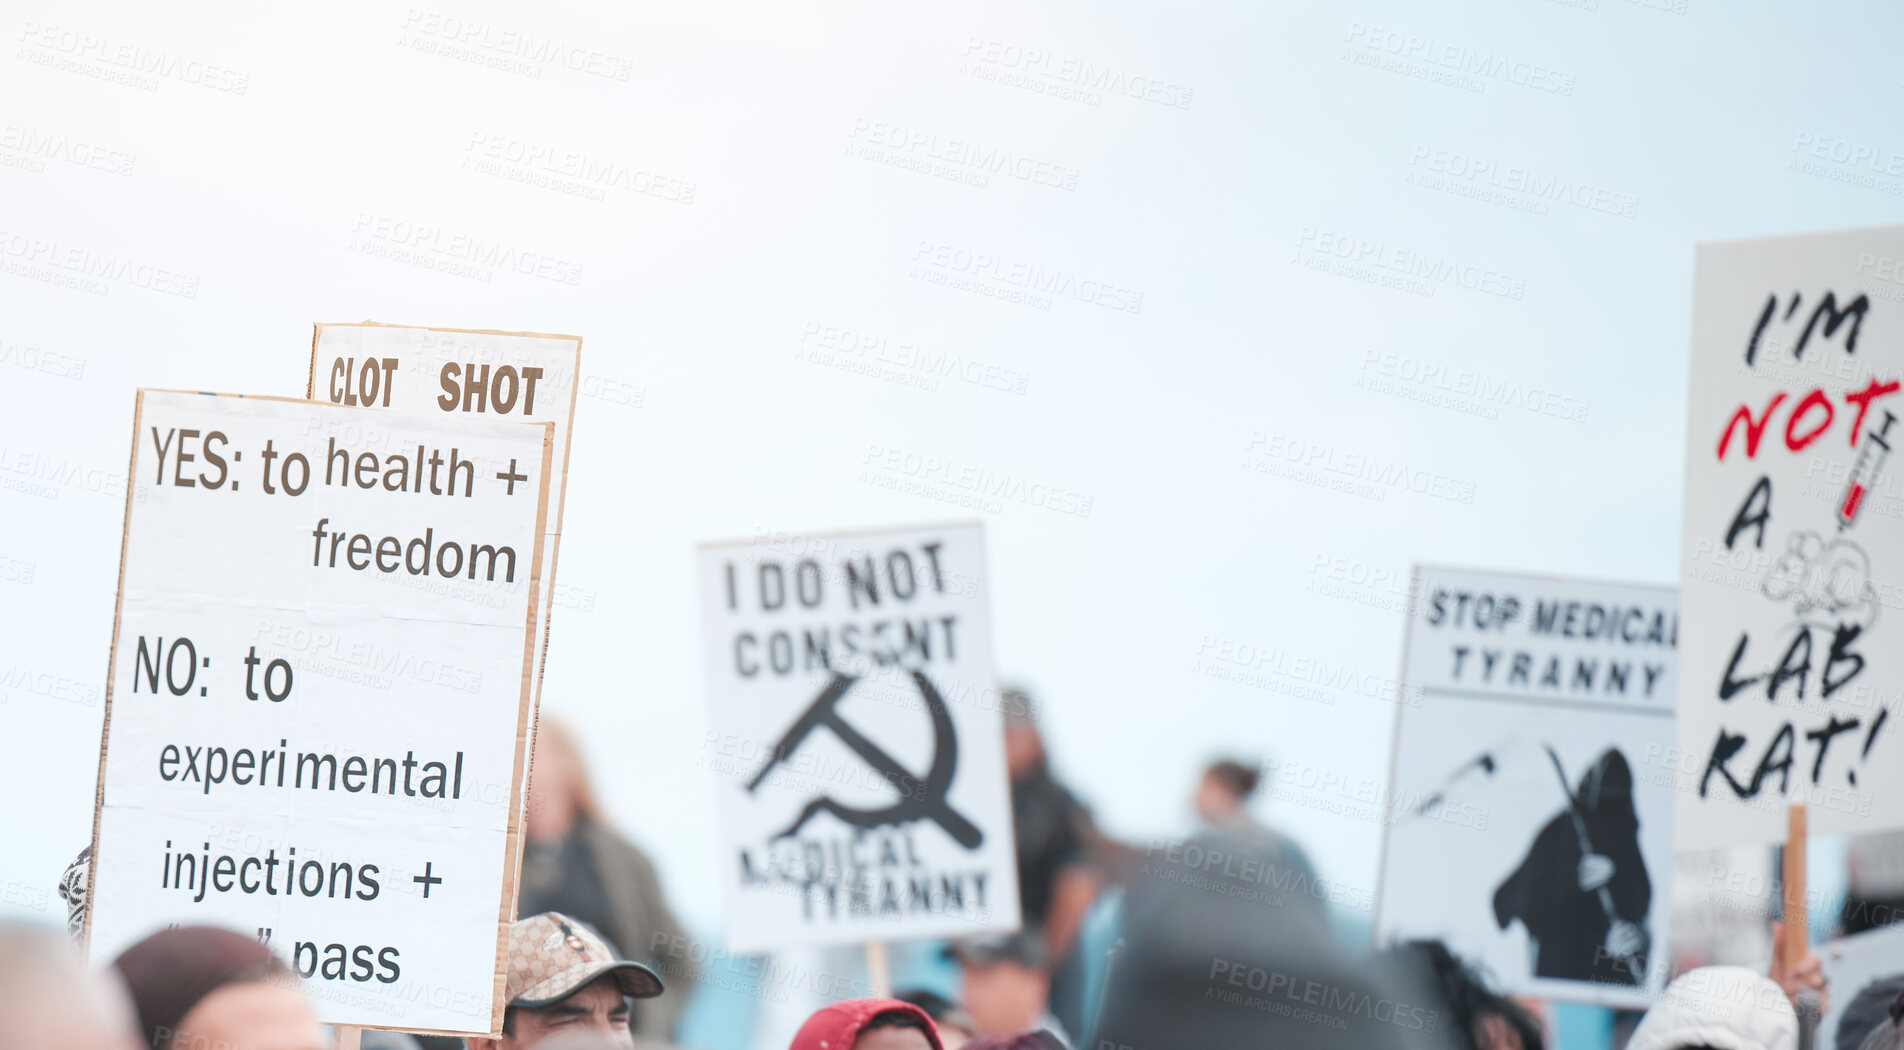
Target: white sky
[{"x": 705, "y": 425}]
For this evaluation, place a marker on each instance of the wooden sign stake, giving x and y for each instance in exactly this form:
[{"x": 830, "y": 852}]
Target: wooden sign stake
[
  {"x": 878, "y": 973},
  {"x": 347, "y": 1038},
  {"x": 1797, "y": 927}
]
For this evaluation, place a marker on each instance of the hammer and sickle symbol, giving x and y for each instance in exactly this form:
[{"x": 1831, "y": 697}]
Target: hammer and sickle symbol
[{"x": 919, "y": 797}]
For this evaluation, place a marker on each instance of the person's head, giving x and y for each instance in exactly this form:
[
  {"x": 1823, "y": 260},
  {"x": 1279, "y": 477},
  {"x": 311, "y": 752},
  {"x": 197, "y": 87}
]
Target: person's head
[
  {"x": 564, "y": 981},
  {"x": 1024, "y": 748},
  {"x": 1720, "y": 1007},
  {"x": 558, "y": 783},
  {"x": 1879, "y": 1001},
  {"x": 1489, "y": 1020},
  {"x": 895, "y": 1030},
  {"x": 868, "y": 1024},
  {"x": 1225, "y": 787},
  {"x": 200, "y": 986},
  {"x": 1003, "y": 982},
  {"x": 1039, "y": 1040},
  {"x": 954, "y": 1024},
  {"x": 49, "y": 1001}
]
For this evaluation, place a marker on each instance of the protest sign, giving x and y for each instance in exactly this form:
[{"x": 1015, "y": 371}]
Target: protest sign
[
  {"x": 1529, "y": 826},
  {"x": 1793, "y": 545},
  {"x": 317, "y": 696},
  {"x": 438, "y": 371},
  {"x": 856, "y": 738}
]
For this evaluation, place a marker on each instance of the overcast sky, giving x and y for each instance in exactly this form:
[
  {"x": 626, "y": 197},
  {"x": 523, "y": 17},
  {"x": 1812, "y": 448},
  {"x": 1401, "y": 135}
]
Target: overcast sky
[{"x": 1342, "y": 288}]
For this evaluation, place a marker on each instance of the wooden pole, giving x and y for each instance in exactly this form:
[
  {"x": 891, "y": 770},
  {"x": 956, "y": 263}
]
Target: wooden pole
[
  {"x": 1797, "y": 926},
  {"x": 878, "y": 973},
  {"x": 346, "y": 1037}
]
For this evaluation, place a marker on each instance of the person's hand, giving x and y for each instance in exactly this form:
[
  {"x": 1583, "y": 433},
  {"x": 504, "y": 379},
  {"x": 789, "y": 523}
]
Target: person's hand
[
  {"x": 1624, "y": 939},
  {"x": 1595, "y": 870},
  {"x": 1807, "y": 976}
]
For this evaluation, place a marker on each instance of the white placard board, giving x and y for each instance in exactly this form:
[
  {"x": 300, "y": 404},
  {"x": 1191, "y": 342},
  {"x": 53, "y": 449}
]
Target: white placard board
[
  {"x": 318, "y": 692},
  {"x": 1546, "y": 709},
  {"x": 1793, "y": 549},
  {"x": 438, "y": 371},
  {"x": 856, "y": 738}
]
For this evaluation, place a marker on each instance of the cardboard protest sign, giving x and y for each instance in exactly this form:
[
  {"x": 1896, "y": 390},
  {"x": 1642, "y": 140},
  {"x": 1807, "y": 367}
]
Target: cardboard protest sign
[
  {"x": 438, "y": 371},
  {"x": 856, "y": 737},
  {"x": 1526, "y": 826},
  {"x": 1793, "y": 547},
  {"x": 317, "y": 697}
]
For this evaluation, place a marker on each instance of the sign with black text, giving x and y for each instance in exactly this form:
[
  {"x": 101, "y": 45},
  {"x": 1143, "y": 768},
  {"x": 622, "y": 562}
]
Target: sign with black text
[
  {"x": 1793, "y": 549},
  {"x": 1530, "y": 815},
  {"x": 436, "y": 371},
  {"x": 318, "y": 692},
  {"x": 856, "y": 738}
]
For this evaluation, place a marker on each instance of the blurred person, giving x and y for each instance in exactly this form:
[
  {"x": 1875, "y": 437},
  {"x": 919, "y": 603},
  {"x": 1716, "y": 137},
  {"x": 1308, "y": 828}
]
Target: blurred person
[
  {"x": 1732, "y": 1008},
  {"x": 564, "y": 980},
  {"x": 1004, "y": 984},
  {"x": 1889, "y": 1031},
  {"x": 1470, "y": 1014},
  {"x": 954, "y": 1024},
  {"x": 1215, "y": 957},
  {"x": 1023, "y": 1041},
  {"x": 1874, "y": 877},
  {"x": 48, "y": 1001},
  {"x": 1875, "y": 1004},
  {"x": 1059, "y": 877},
  {"x": 202, "y": 986},
  {"x": 1223, "y": 792},
  {"x": 868, "y": 1024},
  {"x": 574, "y": 862},
  {"x": 1056, "y": 882},
  {"x": 1722, "y": 1008},
  {"x": 1222, "y": 800}
]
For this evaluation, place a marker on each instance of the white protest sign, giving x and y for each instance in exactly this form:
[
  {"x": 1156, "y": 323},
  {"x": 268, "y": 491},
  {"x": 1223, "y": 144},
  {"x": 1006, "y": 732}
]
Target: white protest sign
[
  {"x": 1530, "y": 820},
  {"x": 443, "y": 371},
  {"x": 1793, "y": 549},
  {"x": 318, "y": 692},
  {"x": 856, "y": 738}
]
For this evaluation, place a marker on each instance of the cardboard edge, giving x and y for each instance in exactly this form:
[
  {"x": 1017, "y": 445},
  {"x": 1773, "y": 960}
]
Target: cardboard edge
[
  {"x": 112, "y": 659},
  {"x": 433, "y": 328},
  {"x": 527, "y": 713},
  {"x": 1394, "y": 760}
]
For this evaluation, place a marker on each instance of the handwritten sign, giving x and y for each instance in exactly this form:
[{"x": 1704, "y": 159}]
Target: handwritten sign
[
  {"x": 318, "y": 692},
  {"x": 436, "y": 371},
  {"x": 856, "y": 738},
  {"x": 1529, "y": 824},
  {"x": 1794, "y": 540}
]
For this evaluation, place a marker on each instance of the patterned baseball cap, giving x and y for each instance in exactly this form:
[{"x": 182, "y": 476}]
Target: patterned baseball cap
[{"x": 552, "y": 956}]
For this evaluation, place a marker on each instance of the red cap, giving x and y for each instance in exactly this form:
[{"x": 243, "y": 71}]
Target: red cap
[{"x": 835, "y": 1027}]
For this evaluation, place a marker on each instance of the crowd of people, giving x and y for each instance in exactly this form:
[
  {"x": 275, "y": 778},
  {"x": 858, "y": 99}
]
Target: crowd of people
[{"x": 1121, "y": 949}]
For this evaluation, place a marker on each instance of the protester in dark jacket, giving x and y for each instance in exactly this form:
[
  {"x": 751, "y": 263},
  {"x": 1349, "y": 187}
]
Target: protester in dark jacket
[
  {"x": 1875, "y": 1005},
  {"x": 575, "y": 863},
  {"x": 1221, "y": 950}
]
